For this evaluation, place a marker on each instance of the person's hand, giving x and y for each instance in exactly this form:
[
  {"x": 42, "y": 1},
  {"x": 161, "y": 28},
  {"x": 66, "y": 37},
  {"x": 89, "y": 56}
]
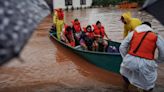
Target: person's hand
[
  {"x": 87, "y": 34},
  {"x": 67, "y": 41}
]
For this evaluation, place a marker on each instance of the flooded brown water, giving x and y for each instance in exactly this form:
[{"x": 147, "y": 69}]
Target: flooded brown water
[{"x": 49, "y": 67}]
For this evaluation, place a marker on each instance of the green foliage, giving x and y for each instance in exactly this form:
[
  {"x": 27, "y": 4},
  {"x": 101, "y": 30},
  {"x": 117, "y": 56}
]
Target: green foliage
[{"x": 114, "y": 2}]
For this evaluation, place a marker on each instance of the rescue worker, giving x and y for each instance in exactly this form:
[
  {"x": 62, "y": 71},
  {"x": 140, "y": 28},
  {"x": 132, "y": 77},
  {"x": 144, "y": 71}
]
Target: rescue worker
[
  {"x": 129, "y": 23},
  {"x": 67, "y": 36},
  {"x": 77, "y": 30},
  {"x": 58, "y": 20},
  {"x": 139, "y": 66},
  {"x": 87, "y": 38},
  {"x": 100, "y": 33}
]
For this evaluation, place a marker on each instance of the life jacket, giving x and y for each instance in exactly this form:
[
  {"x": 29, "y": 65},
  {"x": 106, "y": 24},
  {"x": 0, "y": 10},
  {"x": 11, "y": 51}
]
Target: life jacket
[
  {"x": 99, "y": 31},
  {"x": 76, "y": 26},
  {"x": 60, "y": 14},
  {"x": 89, "y": 34},
  {"x": 68, "y": 34},
  {"x": 143, "y": 48}
]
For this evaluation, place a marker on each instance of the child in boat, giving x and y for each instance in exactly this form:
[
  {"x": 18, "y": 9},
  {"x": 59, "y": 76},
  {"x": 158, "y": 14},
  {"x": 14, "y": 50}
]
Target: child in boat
[
  {"x": 76, "y": 30},
  {"x": 87, "y": 38},
  {"x": 67, "y": 36},
  {"x": 99, "y": 37}
]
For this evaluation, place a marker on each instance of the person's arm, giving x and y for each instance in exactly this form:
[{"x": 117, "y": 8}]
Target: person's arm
[
  {"x": 64, "y": 37},
  {"x": 106, "y": 36},
  {"x": 124, "y": 47},
  {"x": 160, "y": 46},
  {"x": 72, "y": 37}
]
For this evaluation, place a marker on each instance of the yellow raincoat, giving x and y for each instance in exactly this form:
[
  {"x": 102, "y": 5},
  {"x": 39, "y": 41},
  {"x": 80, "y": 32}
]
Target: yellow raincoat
[
  {"x": 132, "y": 23},
  {"x": 59, "y": 24}
]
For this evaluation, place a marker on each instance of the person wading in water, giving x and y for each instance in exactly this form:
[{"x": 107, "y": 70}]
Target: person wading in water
[{"x": 139, "y": 66}]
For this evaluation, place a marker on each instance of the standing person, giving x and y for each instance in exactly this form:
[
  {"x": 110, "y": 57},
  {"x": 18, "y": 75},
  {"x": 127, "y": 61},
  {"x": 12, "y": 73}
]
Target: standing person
[
  {"x": 139, "y": 67},
  {"x": 100, "y": 33},
  {"x": 77, "y": 30},
  {"x": 129, "y": 23},
  {"x": 67, "y": 36},
  {"x": 58, "y": 20}
]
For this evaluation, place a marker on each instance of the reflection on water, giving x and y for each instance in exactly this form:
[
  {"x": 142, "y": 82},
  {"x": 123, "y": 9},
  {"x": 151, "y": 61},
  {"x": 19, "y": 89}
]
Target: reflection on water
[{"x": 48, "y": 66}]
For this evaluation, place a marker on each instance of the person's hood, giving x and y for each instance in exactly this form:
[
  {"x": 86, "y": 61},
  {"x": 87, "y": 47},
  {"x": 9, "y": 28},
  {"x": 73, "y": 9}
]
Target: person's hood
[
  {"x": 127, "y": 17},
  {"x": 143, "y": 28}
]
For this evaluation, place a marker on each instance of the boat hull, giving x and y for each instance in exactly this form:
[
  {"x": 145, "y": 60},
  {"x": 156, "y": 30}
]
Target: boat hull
[{"x": 108, "y": 61}]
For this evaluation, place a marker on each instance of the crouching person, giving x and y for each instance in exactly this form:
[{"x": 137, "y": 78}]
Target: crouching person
[
  {"x": 139, "y": 67},
  {"x": 67, "y": 36}
]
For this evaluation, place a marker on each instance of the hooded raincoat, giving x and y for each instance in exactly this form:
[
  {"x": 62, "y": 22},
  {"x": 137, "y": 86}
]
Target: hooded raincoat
[
  {"x": 59, "y": 23},
  {"x": 132, "y": 23},
  {"x": 140, "y": 72}
]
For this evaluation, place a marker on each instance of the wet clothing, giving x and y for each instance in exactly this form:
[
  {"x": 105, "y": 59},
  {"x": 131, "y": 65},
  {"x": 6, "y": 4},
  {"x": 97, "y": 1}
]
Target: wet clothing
[
  {"x": 141, "y": 72},
  {"x": 58, "y": 20},
  {"x": 132, "y": 23}
]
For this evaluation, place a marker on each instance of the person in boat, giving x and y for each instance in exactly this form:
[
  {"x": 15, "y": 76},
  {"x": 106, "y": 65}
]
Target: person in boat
[
  {"x": 100, "y": 33},
  {"x": 129, "y": 23},
  {"x": 139, "y": 66},
  {"x": 67, "y": 36},
  {"x": 58, "y": 21},
  {"x": 87, "y": 38},
  {"x": 77, "y": 30}
]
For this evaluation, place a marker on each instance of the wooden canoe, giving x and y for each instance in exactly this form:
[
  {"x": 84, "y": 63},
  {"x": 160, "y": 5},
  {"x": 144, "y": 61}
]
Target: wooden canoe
[{"x": 108, "y": 61}]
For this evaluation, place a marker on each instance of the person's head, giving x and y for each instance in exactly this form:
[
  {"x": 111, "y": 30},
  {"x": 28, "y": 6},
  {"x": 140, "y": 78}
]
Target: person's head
[
  {"x": 89, "y": 28},
  {"x": 60, "y": 9},
  {"x": 98, "y": 24},
  {"x": 68, "y": 29},
  {"x": 126, "y": 17},
  {"x": 76, "y": 21},
  {"x": 147, "y": 23},
  {"x": 123, "y": 20}
]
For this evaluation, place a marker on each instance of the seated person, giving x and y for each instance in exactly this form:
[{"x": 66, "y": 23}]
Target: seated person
[
  {"x": 87, "y": 38},
  {"x": 99, "y": 37},
  {"x": 76, "y": 30},
  {"x": 67, "y": 36}
]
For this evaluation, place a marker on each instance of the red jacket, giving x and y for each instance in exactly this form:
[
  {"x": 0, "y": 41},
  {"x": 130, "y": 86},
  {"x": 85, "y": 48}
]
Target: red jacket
[
  {"x": 76, "y": 26},
  {"x": 99, "y": 31},
  {"x": 147, "y": 47},
  {"x": 69, "y": 35},
  {"x": 89, "y": 34}
]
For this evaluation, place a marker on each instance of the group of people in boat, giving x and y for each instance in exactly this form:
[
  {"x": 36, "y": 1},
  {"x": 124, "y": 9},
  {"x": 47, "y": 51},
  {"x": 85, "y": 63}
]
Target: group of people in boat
[
  {"x": 89, "y": 38},
  {"x": 137, "y": 49}
]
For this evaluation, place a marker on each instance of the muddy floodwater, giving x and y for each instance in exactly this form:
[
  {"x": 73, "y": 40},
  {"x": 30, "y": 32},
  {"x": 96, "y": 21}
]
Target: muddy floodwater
[{"x": 49, "y": 67}]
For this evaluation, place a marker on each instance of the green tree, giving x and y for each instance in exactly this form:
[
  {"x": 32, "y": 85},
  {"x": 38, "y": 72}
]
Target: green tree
[{"x": 114, "y": 2}]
